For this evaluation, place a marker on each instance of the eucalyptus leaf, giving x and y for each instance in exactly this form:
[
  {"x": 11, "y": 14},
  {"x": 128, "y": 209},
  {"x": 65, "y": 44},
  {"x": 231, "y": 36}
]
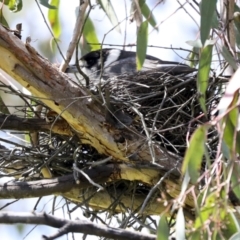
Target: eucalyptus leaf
[
  {"x": 46, "y": 4},
  {"x": 203, "y": 74},
  {"x": 193, "y": 157},
  {"x": 207, "y": 13},
  {"x": 142, "y": 41},
  {"x": 53, "y": 17},
  {"x": 163, "y": 229},
  {"x": 110, "y": 12},
  {"x": 90, "y": 35},
  {"x": 15, "y": 5}
]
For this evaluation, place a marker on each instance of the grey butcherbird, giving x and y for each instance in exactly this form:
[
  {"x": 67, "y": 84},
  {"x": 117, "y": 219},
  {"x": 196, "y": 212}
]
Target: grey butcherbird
[{"x": 108, "y": 62}]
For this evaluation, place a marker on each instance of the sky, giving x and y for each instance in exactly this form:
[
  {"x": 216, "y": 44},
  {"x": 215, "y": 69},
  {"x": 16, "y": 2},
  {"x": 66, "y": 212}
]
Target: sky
[{"x": 176, "y": 27}]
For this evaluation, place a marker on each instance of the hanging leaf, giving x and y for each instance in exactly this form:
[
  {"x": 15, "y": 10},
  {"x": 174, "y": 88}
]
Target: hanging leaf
[
  {"x": 207, "y": 14},
  {"x": 193, "y": 57},
  {"x": 203, "y": 74},
  {"x": 148, "y": 14},
  {"x": 46, "y": 4},
  {"x": 6, "y": 2},
  {"x": 235, "y": 180},
  {"x": 229, "y": 58},
  {"x": 142, "y": 41},
  {"x": 163, "y": 229},
  {"x": 53, "y": 17},
  {"x": 110, "y": 12},
  {"x": 236, "y": 18},
  {"x": 3, "y": 21},
  {"x": 90, "y": 35},
  {"x": 15, "y": 5},
  {"x": 193, "y": 157}
]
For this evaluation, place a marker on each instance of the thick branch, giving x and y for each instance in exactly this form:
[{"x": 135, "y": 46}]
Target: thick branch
[
  {"x": 67, "y": 187},
  {"x": 12, "y": 122},
  {"x": 77, "y": 106},
  {"x": 77, "y": 226},
  {"x": 56, "y": 186}
]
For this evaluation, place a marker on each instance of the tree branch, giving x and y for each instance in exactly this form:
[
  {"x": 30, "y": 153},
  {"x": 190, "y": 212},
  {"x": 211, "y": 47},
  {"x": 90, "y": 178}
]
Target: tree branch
[
  {"x": 66, "y": 226},
  {"x": 76, "y": 105},
  {"x": 76, "y": 33},
  {"x": 12, "y": 122},
  {"x": 67, "y": 187}
]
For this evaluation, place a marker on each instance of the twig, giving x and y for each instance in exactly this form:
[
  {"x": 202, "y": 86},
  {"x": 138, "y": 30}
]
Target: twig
[
  {"x": 76, "y": 32},
  {"x": 76, "y": 169}
]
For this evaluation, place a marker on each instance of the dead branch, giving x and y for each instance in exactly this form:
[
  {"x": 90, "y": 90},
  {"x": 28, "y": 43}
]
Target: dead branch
[
  {"x": 66, "y": 226},
  {"x": 12, "y": 122},
  {"x": 76, "y": 105},
  {"x": 79, "y": 193}
]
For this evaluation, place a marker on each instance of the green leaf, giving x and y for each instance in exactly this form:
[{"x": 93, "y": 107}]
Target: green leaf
[
  {"x": 148, "y": 14},
  {"x": 15, "y": 5},
  {"x": 229, "y": 58},
  {"x": 237, "y": 34},
  {"x": 230, "y": 122},
  {"x": 163, "y": 229},
  {"x": 5, "y": 1},
  {"x": 236, "y": 18},
  {"x": 85, "y": 47},
  {"x": 193, "y": 157},
  {"x": 110, "y": 12},
  {"x": 232, "y": 225},
  {"x": 196, "y": 236},
  {"x": 53, "y": 17},
  {"x": 215, "y": 208},
  {"x": 207, "y": 14},
  {"x": 203, "y": 74},
  {"x": 235, "y": 180},
  {"x": 215, "y": 20},
  {"x": 142, "y": 41},
  {"x": 90, "y": 35},
  {"x": 225, "y": 150},
  {"x": 228, "y": 135},
  {"x": 3, "y": 21},
  {"x": 193, "y": 57},
  {"x": 46, "y": 4},
  {"x": 206, "y": 211}
]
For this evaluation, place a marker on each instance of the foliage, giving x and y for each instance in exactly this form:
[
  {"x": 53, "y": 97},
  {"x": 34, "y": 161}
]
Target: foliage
[{"x": 193, "y": 120}]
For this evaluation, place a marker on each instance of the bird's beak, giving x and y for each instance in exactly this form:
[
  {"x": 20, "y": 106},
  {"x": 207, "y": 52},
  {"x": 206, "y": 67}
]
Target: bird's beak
[{"x": 72, "y": 69}]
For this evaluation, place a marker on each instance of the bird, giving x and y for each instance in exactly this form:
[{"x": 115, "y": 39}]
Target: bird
[{"x": 107, "y": 63}]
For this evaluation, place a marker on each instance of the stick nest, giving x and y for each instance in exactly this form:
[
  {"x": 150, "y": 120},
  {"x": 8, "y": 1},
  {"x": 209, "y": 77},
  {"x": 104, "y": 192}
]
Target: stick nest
[
  {"x": 164, "y": 107},
  {"x": 160, "y": 106}
]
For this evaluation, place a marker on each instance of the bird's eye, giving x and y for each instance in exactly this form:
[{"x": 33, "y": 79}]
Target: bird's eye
[{"x": 91, "y": 62}]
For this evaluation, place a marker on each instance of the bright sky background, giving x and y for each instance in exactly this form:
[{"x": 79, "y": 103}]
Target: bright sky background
[{"x": 175, "y": 28}]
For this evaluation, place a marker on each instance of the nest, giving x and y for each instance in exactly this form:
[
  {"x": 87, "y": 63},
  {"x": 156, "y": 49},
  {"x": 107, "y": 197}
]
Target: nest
[
  {"x": 165, "y": 106},
  {"x": 158, "y": 105}
]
